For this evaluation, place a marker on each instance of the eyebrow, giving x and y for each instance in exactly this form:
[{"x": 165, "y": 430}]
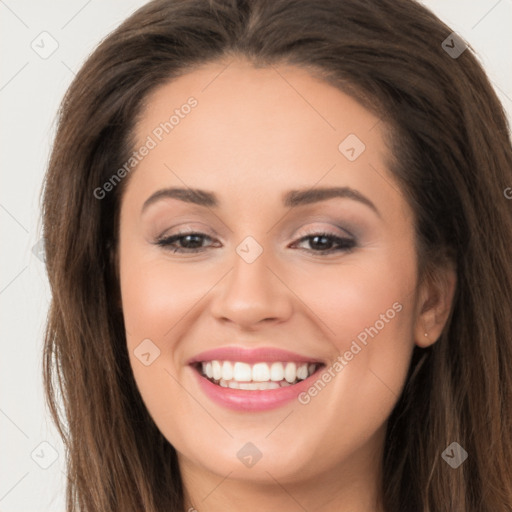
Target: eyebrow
[{"x": 291, "y": 199}]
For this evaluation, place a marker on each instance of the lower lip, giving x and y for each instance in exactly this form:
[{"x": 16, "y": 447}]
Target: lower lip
[{"x": 249, "y": 400}]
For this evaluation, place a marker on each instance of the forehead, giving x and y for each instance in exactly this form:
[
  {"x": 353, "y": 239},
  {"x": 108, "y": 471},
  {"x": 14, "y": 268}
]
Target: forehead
[
  {"x": 257, "y": 128},
  {"x": 237, "y": 94}
]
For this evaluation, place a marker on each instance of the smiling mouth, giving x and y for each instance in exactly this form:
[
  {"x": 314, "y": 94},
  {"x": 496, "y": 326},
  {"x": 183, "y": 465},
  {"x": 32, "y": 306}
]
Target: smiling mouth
[{"x": 258, "y": 376}]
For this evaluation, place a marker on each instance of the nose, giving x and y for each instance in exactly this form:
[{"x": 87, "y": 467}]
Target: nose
[{"x": 253, "y": 294}]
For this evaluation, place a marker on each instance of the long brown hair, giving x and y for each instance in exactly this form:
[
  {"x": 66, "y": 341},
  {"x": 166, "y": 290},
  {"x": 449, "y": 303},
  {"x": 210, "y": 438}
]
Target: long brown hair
[{"x": 452, "y": 155}]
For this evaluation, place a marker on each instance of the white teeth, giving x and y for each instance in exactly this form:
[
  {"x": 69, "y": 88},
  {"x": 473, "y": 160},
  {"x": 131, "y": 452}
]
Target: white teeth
[
  {"x": 239, "y": 375},
  {"x": 233, "y": 384},
  {"x": 242, "y": 372},
  {"x": 290, "y": 372},
  {"x": 302, "y": 372},
  {"x": 276, "y": 372},
  {"x": 260, "y": 372},
  {"x": 217, "y": 370},
  {"x": 253, "y": 386},
  {"x": 268, "y": 385},
  {"x": 227, "y": 370}
]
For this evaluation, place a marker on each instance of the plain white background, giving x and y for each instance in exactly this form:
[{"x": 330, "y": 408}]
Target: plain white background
[{"x": 31, "y": 454}]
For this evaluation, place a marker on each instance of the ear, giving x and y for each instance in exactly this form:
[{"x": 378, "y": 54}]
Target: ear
[{"x": 434, "y": 304}]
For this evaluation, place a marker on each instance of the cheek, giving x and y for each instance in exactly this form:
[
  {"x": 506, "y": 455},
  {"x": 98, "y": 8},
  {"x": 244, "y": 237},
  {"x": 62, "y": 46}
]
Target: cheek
[
  {"x": 155, "y": 294},
  {"x": 367, "y": 316},
  {"x": 352, "y": 298},
  {"x": 366, "y": 311},
  {"x": 158, "y": 300}
]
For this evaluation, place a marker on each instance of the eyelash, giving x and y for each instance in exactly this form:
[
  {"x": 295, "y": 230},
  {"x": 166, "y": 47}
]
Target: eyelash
[{"x": 345, "y": 244}]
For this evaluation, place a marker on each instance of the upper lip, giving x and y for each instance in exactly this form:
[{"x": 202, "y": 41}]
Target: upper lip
[{"x": 251, "y": 355}]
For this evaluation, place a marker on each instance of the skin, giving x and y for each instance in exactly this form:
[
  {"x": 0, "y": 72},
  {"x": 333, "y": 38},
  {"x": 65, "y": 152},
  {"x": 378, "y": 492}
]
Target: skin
[{"x": 255, "y": 134}]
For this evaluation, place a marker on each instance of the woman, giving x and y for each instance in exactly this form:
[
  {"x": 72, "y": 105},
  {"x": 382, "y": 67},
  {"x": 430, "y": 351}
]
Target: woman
[{"x": 277, "y": 241}]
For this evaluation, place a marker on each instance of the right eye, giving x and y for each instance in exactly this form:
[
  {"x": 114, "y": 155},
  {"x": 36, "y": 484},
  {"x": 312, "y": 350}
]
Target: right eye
[{"x": 191, "y": 241}]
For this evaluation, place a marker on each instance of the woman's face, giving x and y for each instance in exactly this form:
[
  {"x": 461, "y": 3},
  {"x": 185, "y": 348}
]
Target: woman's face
[{"x": 267, "y": 299}]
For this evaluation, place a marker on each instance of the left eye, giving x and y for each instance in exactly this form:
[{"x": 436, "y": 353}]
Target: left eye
[{"x": 192, "y": 242}]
